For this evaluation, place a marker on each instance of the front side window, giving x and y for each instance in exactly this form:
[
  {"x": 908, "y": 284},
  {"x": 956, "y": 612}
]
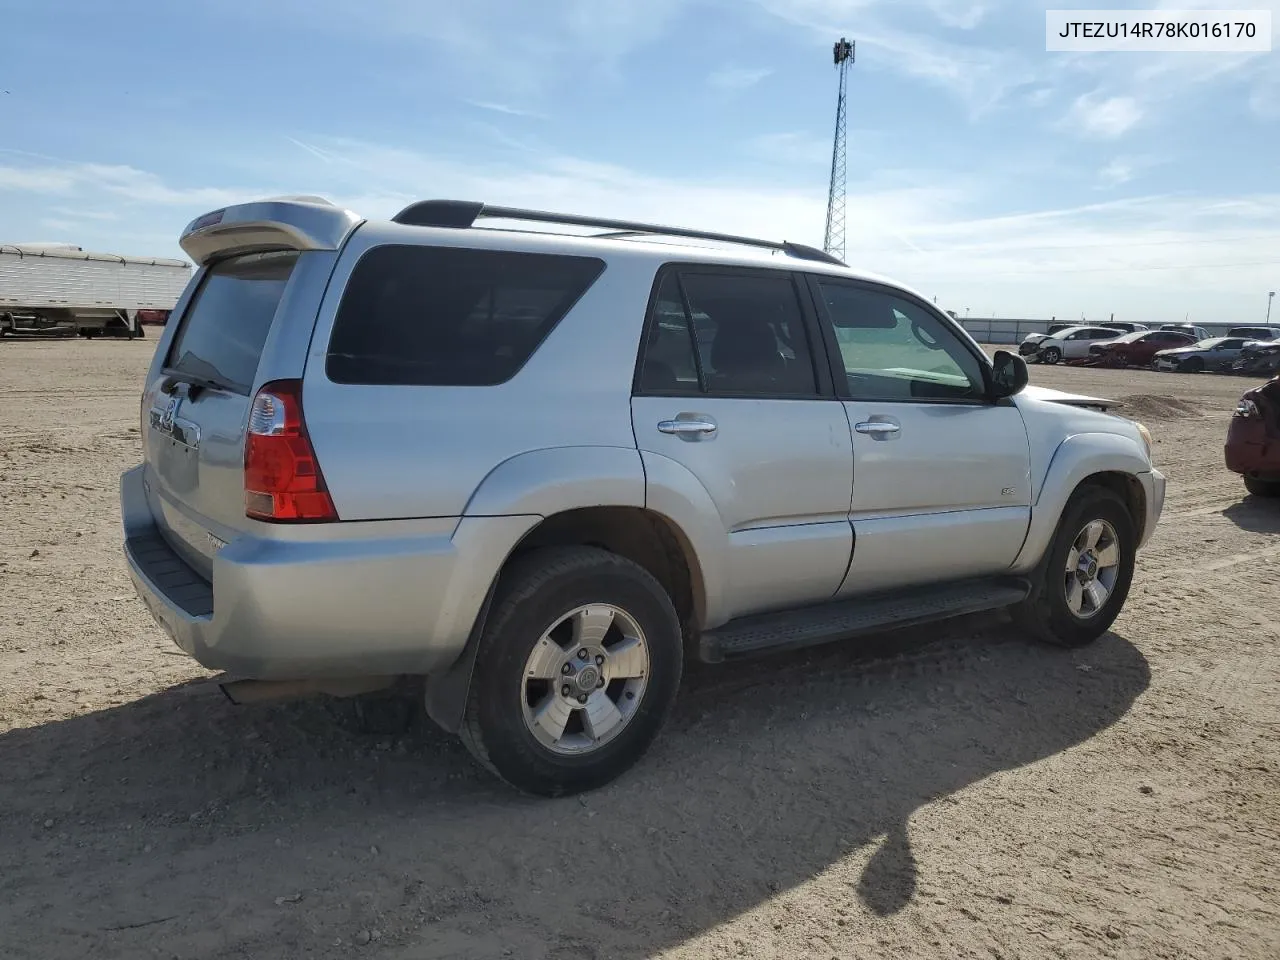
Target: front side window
[
  {"x": 893, "y": 349},
  {"x": 450, "y": 316}
]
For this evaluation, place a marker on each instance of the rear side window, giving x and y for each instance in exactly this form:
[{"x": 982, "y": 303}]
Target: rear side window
[
  {"x": 449, "y": 316},
  {"x": 749, "y": 334},
  {"x": 223, "y": 330}
]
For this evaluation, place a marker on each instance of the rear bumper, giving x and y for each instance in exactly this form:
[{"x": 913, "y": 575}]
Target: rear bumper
[{"x": 395, "y": 597}]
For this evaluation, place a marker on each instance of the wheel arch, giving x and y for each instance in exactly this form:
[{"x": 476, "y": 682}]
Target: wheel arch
[
  {"x": 646, "y": 537},
  {"x": 1112, "y": 461}
]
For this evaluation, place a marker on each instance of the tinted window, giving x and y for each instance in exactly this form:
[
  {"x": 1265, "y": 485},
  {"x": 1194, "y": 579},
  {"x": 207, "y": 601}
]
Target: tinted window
[
  {"x": 669, "y": 364},
  {"x": 894, "y": 349},
  {"x": 223, "y": 331},
  {"x": 447, "y": 316},
  {"x": 749, "y": 334}
]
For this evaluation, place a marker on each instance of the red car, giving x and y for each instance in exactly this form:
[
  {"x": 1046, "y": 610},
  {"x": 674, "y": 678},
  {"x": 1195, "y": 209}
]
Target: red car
[
  {"x": 1253, "y": 440},
  {"x": 1139, "y": 349}
]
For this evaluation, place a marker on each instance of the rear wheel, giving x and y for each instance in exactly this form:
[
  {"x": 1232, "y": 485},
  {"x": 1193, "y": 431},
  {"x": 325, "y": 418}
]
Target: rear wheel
[
  {"x": 578, "y": 668},
  {"x": 1262, "y": 488},
  {"x": 1051, "y": 355},
  {"x": 1086, "y": 573},
  {"x": 1194, "y": 365}
]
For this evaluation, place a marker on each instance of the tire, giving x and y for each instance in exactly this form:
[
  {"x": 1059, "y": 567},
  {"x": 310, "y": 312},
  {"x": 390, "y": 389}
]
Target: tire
[
  {"x": 1051, "y": 355},
  {"x": 1262, "y": 488},
  {"x": 1194, "y": 365},
  {"x": 1046, "y": 614},
  {"x": 534, "y": 601}
]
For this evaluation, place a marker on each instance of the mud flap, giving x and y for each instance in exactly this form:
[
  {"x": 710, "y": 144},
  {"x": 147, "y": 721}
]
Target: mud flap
[{"x": 446, "y": 693}]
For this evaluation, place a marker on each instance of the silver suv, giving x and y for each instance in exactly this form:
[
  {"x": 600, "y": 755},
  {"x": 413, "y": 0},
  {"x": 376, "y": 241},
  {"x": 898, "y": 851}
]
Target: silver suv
[{"x": 540, "y": 469}]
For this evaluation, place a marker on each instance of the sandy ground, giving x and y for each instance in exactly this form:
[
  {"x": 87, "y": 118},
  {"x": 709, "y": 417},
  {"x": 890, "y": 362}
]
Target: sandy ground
[{"x": 972, "y": 796}]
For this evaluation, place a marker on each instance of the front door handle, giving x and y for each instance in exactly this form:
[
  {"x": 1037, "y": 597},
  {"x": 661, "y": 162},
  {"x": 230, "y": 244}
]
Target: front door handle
[
  {"x": 688, "y": 429},
  {"x": 880, "y": 429}
]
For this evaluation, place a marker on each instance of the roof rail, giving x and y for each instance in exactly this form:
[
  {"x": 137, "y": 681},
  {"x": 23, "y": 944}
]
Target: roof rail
[{"x": 464, "y": 213}]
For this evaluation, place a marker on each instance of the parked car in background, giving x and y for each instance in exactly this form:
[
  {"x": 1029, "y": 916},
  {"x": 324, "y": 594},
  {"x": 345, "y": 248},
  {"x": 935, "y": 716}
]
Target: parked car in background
[
  {"x": 1071, "y": 343},
  {"x": 1255, "y": 333},
  {"x": 1253, "y": 440},
  {"x": 1258, "y": 357},
  {"x": 1200, "y": 333},
  {"x": 1139, "y": 349},
  {"x": 1215, "y": 353},
  {"x": 1124, "y": 325},
  {"x": 1031, "y": 342}
]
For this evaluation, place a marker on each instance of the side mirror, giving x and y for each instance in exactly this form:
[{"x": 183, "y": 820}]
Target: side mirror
[{"x": 1009, "y": 374}]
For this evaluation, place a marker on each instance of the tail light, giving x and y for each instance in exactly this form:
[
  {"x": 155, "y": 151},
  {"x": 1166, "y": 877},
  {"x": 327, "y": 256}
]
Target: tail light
[{"x": 282, "y": 479}]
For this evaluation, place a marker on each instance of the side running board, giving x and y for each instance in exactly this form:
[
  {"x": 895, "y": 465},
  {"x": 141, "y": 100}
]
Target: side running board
[{"x": 841, "y": 620}]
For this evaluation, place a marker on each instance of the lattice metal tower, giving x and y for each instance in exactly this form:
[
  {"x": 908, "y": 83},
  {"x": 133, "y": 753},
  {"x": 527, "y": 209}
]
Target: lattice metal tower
[{"x": 833, "y": 242}]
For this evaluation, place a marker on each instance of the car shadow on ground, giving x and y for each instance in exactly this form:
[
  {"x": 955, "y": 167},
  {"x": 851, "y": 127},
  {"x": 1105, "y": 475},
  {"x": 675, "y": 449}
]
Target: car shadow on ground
[
  {"x": 1255, "y": 514},
  {"x": 183, "y": 825}
]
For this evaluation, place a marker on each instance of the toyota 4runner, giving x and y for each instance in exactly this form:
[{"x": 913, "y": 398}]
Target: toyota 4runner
[{"x": 542, "y": 468}]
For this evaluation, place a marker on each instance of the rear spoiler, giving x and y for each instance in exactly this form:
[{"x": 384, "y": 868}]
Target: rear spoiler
[{"x": 278, "y": 223}]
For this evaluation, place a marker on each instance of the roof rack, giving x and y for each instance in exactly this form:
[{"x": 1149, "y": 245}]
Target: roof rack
[{"x": 464, "y": 213}]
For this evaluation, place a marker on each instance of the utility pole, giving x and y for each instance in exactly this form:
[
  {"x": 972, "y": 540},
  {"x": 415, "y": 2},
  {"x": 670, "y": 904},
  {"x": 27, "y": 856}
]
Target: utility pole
[
  {"x": 833, "y": 241},
  {"x": 1270, "y": 296}
]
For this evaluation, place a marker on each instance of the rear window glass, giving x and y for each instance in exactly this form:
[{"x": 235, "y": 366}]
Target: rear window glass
[
  {"x": 449, "y": 316},
  {"x": 223, "y": 330}
]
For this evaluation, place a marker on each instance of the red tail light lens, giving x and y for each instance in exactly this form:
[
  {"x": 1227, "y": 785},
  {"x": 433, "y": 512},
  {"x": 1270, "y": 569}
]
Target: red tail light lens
[{"x": 282, "y": 479}]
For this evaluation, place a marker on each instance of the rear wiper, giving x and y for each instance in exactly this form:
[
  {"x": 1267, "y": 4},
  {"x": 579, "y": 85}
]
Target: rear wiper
[{"x": 194, "y": 383}]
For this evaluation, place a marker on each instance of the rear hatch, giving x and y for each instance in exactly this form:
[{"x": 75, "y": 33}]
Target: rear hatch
[{"x": 196, "y": 406}]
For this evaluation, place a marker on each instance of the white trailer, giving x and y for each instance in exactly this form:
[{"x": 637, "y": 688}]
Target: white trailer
[{"x": 62, "y": 288}]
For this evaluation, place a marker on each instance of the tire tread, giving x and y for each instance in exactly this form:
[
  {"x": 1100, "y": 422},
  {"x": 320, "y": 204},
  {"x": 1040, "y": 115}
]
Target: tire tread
[{"x": 519, "y": 584}]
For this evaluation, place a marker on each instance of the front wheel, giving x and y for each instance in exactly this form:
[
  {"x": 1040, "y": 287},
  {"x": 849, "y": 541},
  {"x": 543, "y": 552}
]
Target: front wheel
[
  {"x": 1194, "y": 365},
  {"x": 577, "y": 671},
  {"x": 1262, "y": 488},
  {"x": 1051, "y": 355},
  {"x": 1086, "y": 572}
]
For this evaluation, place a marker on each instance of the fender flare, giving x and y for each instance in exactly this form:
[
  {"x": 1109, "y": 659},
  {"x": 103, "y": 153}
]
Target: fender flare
[
  {"x": 550, "y": 481},
  {"x": 1074, "y": 460},
  {"x": 555, "y": 479}
]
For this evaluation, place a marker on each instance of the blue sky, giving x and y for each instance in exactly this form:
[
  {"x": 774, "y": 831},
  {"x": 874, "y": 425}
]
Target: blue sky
[{"x": 983, "y": 170}]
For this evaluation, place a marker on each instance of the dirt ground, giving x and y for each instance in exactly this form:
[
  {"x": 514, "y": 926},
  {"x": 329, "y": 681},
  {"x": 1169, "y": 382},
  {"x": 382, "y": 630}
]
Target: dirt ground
[{"x": 951, "y": 793}]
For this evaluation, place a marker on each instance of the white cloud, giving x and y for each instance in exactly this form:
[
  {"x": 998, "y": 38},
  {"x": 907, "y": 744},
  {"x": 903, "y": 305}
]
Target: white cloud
[
  {"x": 738, "y": 78},
  {"x": 1106, "y": 118},
  {"x": 1142, "y": 257},
  {"x": 1116, "y": 173},
  {"x": 65, "y": 227},
  {"x": 790, "y": 148},
  {"x": 898, "y": 38},
  {"x": 506, "y": 108},
  {"x": 36, "y": 179},
  {"x": 962, "y": 15},
  {"x": 84, "y": 213}
]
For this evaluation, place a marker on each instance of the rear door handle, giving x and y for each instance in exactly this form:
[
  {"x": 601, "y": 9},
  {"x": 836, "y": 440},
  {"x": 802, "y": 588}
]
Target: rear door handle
[
  {"x": 688, "y": 429},
  {"x": 879, "y": 429}
]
